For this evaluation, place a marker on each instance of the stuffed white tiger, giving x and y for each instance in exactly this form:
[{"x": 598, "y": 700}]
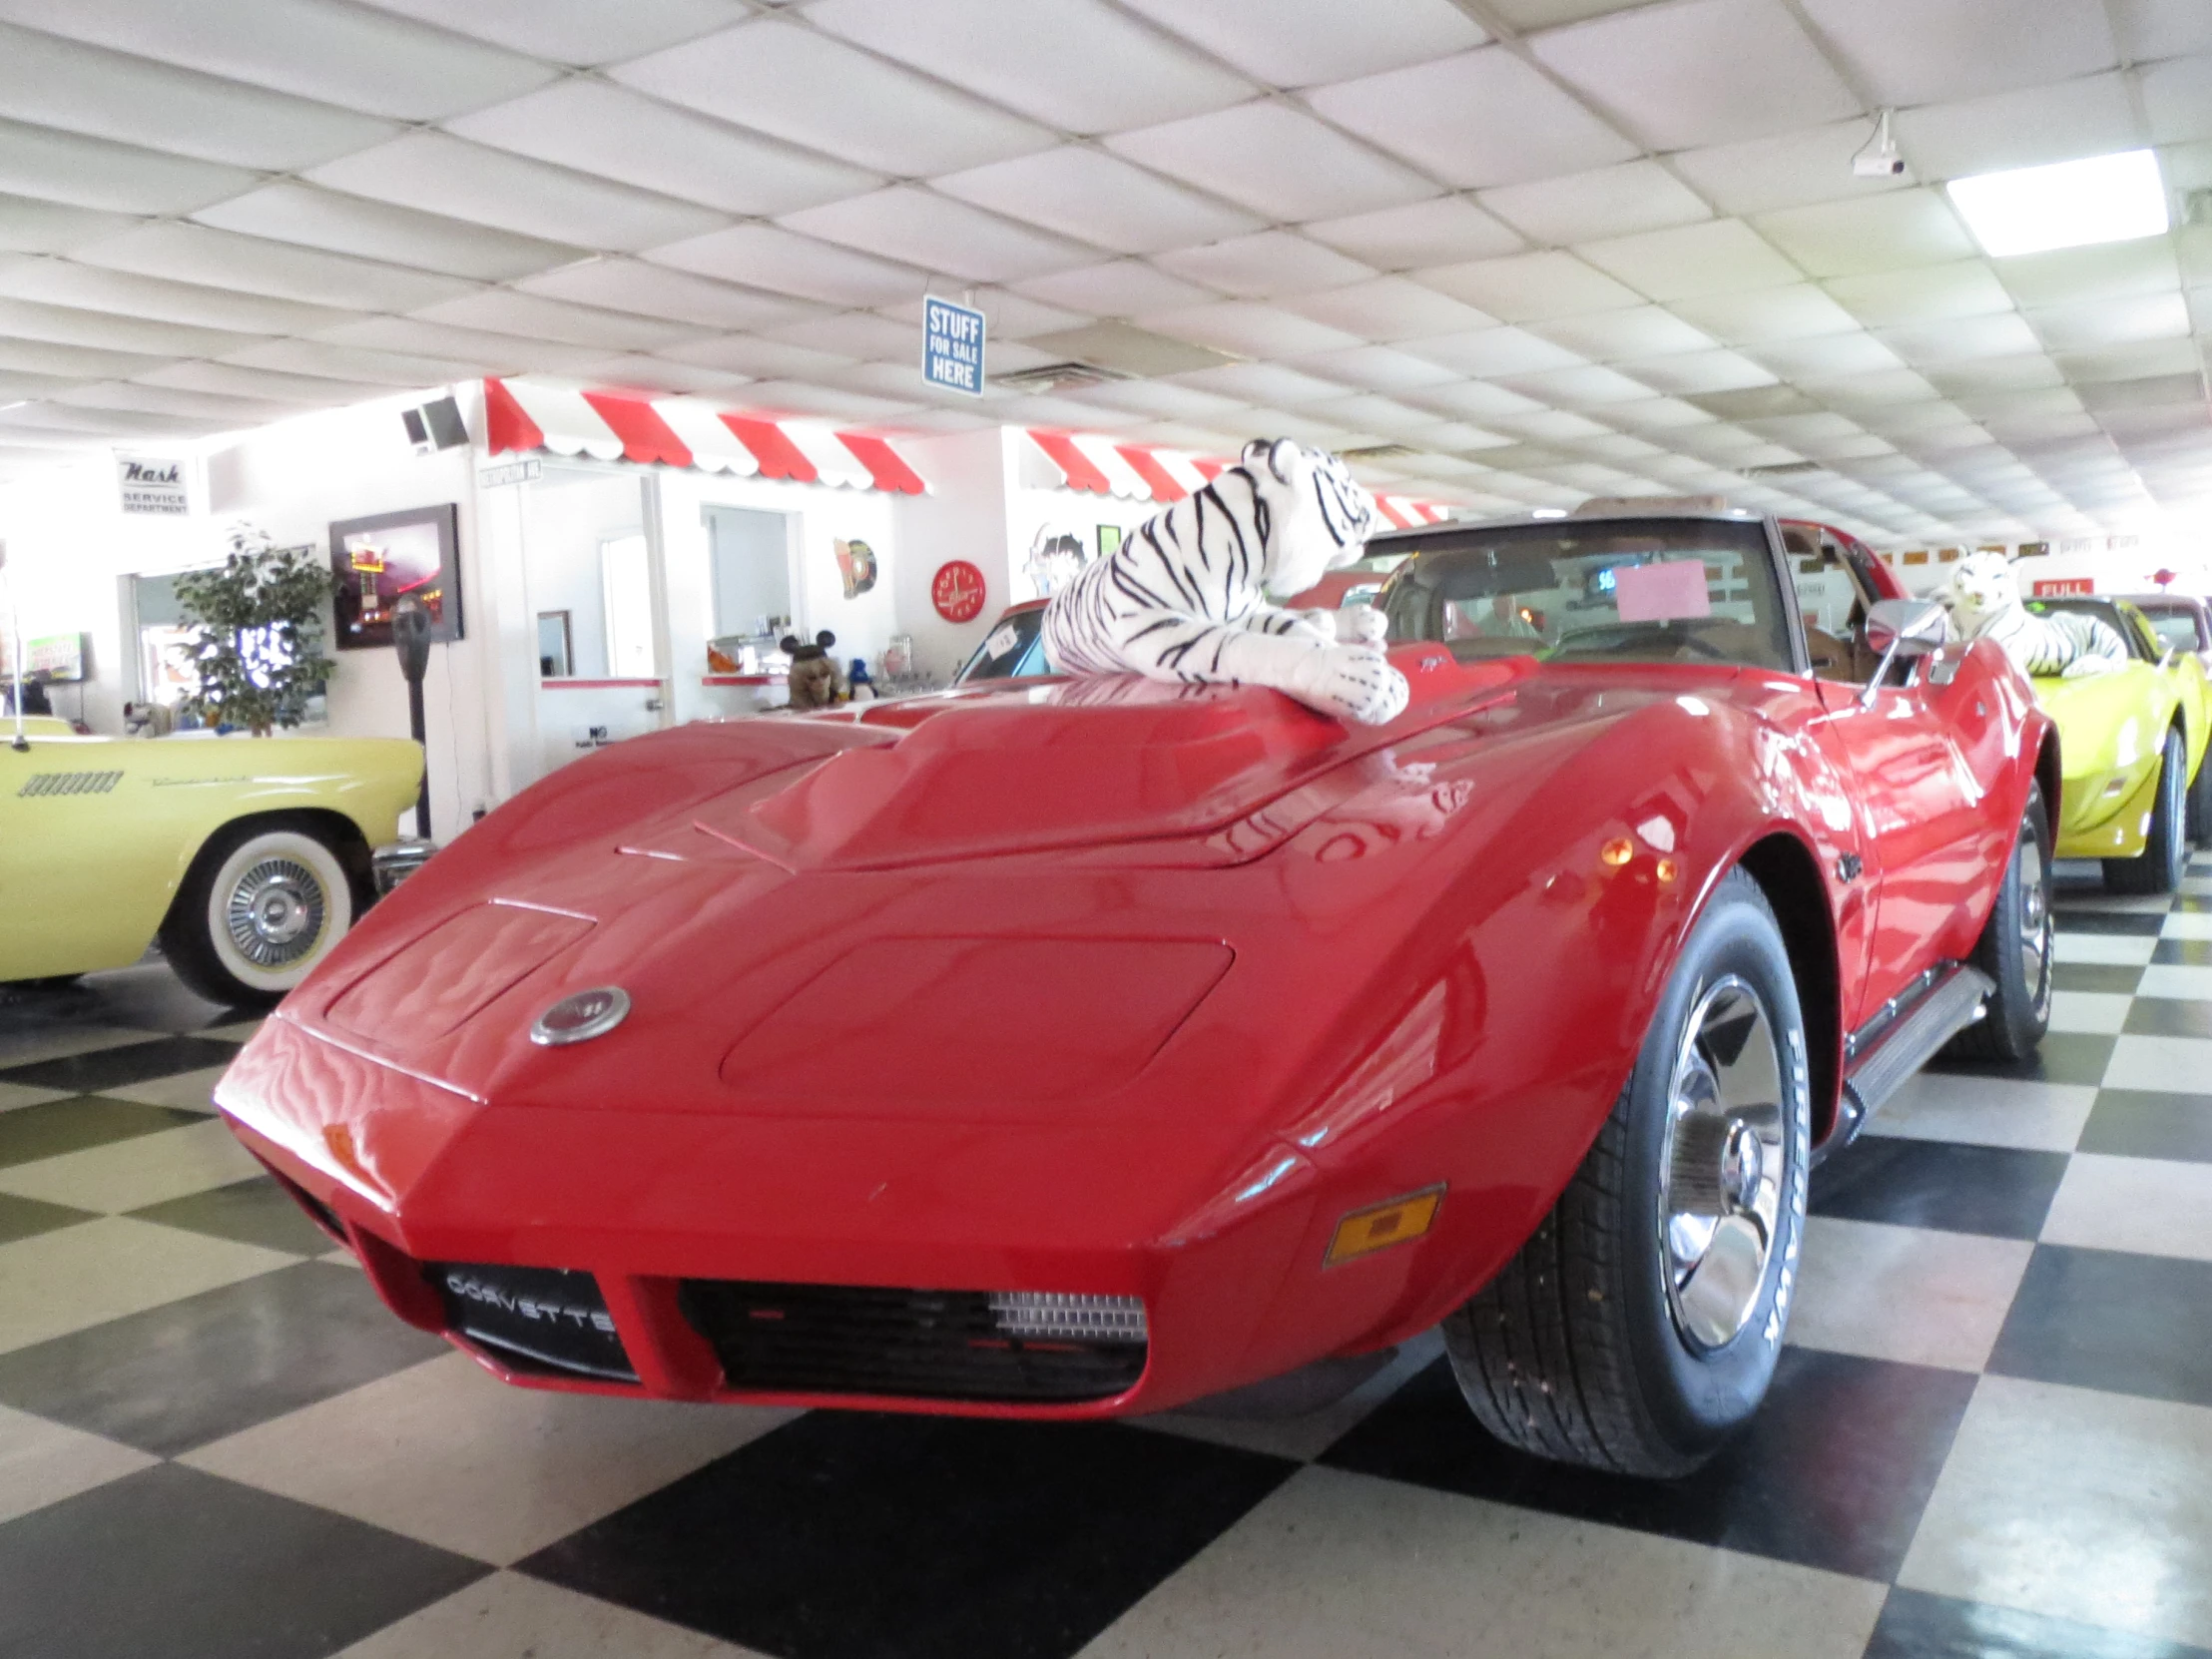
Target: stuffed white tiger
[
  {"x": 1984, "y": 601},
  {"x": 1184, "y": 599}
]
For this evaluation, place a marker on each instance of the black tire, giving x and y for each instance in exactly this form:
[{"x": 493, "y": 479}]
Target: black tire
[
  {"x": 1580, "y": 1350},
  {"x": 2166, "y": 848},
  {"x": 2200, "y": 801},
  {"x": 2014, "y": 949},
  {"x": 269, "y": 874}
]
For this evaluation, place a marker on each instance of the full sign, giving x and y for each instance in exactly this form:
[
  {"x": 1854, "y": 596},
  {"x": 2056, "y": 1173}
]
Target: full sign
[
  {"x": 152, "y": 485},
  {"x": 2061, "y": 586},
  {"x": 952, "y": 346}
]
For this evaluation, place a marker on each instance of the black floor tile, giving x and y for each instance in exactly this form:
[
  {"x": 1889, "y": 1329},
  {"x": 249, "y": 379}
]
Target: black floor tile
[
  {"x": 1916, "y": 1625},
  {"x": 255, "y": 1211},
  {"x": 2096, "y": 977},
  {"x": 2168, "y": 1016},
  {"x": 2187, "y": 953},
  {"x": 20, "y": 1218},
  {"x": 1957, "y": 1189},
  {"x": 47, "y": 1131},
  {"x": 190, "y": 1372},
  {"x": 114, "y": 1068},
  {"x": 151, "y": 996},
  {"x": 1833, "y": 1473},
  {"x": 2134, "y": 923},
  {"x": 2137, "y": 1123},
  {"x": 2105, "y": 1319},
  {"x": 180, "y": 1564},
  {"x": 2061, "y": 1057},
  {"x": 845, "y": 1535}
]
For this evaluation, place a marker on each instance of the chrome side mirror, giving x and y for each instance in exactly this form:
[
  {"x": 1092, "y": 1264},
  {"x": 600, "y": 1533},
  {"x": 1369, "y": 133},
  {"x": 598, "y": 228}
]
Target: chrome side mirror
[{"x": 1907, "y": 628}]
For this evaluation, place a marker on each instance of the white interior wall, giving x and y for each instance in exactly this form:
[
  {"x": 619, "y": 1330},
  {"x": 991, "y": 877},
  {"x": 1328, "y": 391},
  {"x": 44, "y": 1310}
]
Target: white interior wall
[
  {"x": 966, "y": 515},
  {"x": 567, "y": 517}
]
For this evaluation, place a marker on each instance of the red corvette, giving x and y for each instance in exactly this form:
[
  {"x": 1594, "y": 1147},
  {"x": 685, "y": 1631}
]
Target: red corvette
[{"x": 1090, "y": 1047}]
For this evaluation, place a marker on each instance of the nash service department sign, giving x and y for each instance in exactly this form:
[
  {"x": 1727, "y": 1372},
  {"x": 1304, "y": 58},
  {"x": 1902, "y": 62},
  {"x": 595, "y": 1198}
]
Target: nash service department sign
[{"x": 152, "y": 484}]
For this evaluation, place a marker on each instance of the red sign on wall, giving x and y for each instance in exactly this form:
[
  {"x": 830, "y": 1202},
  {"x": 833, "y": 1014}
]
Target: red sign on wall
[
  {"x": 957, "y": 591},
  {"x": 2060, "y": 586}
]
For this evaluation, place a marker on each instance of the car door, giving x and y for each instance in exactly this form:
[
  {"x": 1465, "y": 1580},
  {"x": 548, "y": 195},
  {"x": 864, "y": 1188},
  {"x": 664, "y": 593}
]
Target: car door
[{"x": 67, "y": 875}]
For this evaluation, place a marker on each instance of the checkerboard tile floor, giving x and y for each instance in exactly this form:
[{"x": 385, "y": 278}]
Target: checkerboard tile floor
[{"x": 1991, "y": 1434}]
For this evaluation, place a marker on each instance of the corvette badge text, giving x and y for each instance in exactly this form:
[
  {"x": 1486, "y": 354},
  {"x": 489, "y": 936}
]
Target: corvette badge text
[{"x": 530, "y": 1307}]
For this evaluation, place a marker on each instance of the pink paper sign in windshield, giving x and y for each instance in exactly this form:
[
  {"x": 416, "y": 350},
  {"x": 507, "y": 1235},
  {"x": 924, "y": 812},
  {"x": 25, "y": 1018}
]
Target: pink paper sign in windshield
[{"x": 1669, "y": 592}]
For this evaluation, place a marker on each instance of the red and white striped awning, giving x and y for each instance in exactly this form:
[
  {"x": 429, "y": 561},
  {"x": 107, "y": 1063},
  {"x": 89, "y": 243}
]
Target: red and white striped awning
[
  {"x": 1099, "y": 465},
  {"x": 523, "y": 415}
]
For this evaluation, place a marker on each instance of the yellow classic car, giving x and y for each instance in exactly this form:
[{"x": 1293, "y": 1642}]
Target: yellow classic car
[
  {"x": 248, "y": 857},
  {"x": 2131, "y": 743}
]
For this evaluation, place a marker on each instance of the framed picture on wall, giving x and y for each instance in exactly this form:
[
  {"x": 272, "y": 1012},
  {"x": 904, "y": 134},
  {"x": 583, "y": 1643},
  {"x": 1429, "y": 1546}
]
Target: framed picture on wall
[
  {"x": 379, "y": 561},
  {"x": 1109, "y": 540}
]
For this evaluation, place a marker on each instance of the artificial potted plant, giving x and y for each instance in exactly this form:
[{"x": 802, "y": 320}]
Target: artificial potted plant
[{"x": 260, "y": 619}]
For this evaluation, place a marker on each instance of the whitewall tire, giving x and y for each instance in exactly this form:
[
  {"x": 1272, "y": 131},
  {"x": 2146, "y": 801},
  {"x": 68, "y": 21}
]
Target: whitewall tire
[{"x": 259, "y": 909}]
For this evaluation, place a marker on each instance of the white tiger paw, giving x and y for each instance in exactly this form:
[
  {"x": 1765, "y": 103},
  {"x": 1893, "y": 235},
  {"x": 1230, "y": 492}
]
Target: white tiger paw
[
  {"x": 1361, "y": 624},
  {"x": 1323, "y": 623},
  {"x": 2083, "y": 668},
  {"x": 1352, "y": 682}
]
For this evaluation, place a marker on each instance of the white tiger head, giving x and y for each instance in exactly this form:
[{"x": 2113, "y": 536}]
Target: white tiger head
[
  {"x": 1318, "y": 515},
  {"x": 1984, "y": 585}
]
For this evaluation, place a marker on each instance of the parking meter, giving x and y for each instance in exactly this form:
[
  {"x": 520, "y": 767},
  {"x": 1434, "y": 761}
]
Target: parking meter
[{"x": 410, "y": 637}]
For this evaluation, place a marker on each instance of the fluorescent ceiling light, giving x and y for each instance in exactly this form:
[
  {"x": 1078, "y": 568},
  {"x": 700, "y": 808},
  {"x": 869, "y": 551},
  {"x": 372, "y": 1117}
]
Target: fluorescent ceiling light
[{"x": 2068, "y": 205}]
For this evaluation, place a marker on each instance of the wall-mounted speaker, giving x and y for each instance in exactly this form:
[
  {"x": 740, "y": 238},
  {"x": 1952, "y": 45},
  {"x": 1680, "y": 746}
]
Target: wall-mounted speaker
[{"x": 435, "y": 426}]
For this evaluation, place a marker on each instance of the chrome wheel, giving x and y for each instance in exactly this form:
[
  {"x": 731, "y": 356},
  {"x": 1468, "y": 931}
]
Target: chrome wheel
[
  {"x": 274, "y": 913},
  {"x": 1723, "y": 1164},
  {"x": 2035, "y": 922}
]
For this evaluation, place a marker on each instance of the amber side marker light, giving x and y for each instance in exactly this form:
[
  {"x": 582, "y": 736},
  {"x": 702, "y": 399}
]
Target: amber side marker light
[{"x": 1365, "y": 1232}]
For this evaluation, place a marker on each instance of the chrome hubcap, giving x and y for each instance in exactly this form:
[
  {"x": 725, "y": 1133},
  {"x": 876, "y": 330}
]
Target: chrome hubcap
[
  {"x": 1723, "y": 1165},
  {"x": 2036, "y": 923},
  {"x": 274, "y": 913}
]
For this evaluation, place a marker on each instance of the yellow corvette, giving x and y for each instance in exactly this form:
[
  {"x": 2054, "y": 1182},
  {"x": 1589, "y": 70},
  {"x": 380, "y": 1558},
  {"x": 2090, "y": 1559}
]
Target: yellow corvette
[
  {"x": 248, "y": 856},
  {"x": 2131, "y": 743}
]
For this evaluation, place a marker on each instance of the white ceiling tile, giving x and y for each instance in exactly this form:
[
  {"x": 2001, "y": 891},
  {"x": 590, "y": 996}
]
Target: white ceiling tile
[
  {"x": 1155, "y": 398},
  {"x": 57, "y": 419},
  {"x": 1637, "y": 332},
  {"x": 1276, "y": 160},
  {"x": 1458, "y": 435},
  {"x": 231, "y": 412},
  {"x": 655, "y": 290},
  {"x": 791, "y": 398},
  {"x": 1581, "y": 388},
  {"x": 221, "y": 258},
  {"x": 1698, "y": 374},
  {"x": 492, "y": 352},
  {"x": 1963, "y": 337},
  {"x": 1480, "y": 118},
  {"x": 117, "y": 177},
  {"x": 1472, "y": 400},
  {"x": 353, "y": 363},
  {"x": 774, "y": 77},
  {"x": 1299, "y": 43},
  {"x": 1375, "y": 369},
  {"x": 2177, "y": 97},
  {"x": 341, "y": 54},
  {"x": 2161, "y": 28},
  {"x": 446, "y": 174},
  {"x": 1657, "y": 414},
  {"x": 1008, "y": 315},
  {"x": 108, "y": 331},
  {"x": 90, "y": 288},
  {"x": 1076, "y": 65},
  {"x": 81, "y": 89},
  {"x": 1925, "y": 294},
  {"x": 783, "y": 262},
  {"x": 576, "y": 31},
  {"x": 1370, "y": 412},
  {"x": 232, "y": 381},
  {"x": 32, "y": 227},
  {"x": 614, "y": 133},
  {"x": 1267, "y": 384},
  {"x": 1248, "y": 330},
  {"x": 2028, "y": 127},
  {"x": 1797, "y": 310},
  {"x": 662, "y": 377},
  {"x": 1723, "y": 257},
  {"x": 1388, "y": 308},
  {"x": 2138, "y": 360},
  {"x": 1699, "y": 72},
  {"x": 1610, "y": 201},
  {"x": 286, "y": 211},
  {"x": 1911, "y": 52},
  {"x": 1825, "y": 354},
  {"x": 534, "y": 316},
  {"x": 48, "y": 360},
  {"x": 1786, "y": 170},
  {"x": 1443, "y": 231},
  {"x": 1529, "y": 287},
  {"x": 762, "y": 360},
  {"x": 1123, "y": 288},
  {"x": 1495, "y": 352},
  {"x": 937, "y": 233},
  {"x": 855, "y": 334},
  {"x": 1264, "y": 266},
  {"x": 895, "y": 380},
  {"x": 2193, "y": 248},
  {"x": 1873, "y": 234},
  {"x": 1086, "y": 193}
]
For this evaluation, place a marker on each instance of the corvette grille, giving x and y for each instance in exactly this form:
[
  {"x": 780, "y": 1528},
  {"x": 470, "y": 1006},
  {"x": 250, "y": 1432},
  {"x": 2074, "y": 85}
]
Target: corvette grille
[
  {"x": 918, "y": 1345},
  {"x": 548, "y": 1321}
]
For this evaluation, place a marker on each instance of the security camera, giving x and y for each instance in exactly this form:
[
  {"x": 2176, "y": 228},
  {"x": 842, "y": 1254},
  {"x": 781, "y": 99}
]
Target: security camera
[{"x": 1877, "y": 158}]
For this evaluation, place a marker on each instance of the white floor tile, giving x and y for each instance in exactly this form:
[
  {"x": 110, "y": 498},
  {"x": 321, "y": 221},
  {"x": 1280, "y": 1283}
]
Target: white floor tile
[
  {"x": 2076, "y": 1504},
  {"x": 2147, "y": 1205},
  {"x": 2100, "y": 1013},
  {"x": 1904, "y": 1292},
  {"x": 43, "y": 1463},
  {"x": 1308, "y": 1437},
  {"x": 508, "y": 1616},
  {"x": 145, "y": 1169},
  {"x": 2113, "y": 904},
  {"x": 22, "y": 1049},
  {"x": 2181, "y": 1065},
  {"x": 1986, "y": 1111},
  {"x": 2189, "y": 924},
  {"x": 191, "y": 1090},
  {"x": 2182, "y": 981},
  {"x": 13, "y": 1095},
  {"x": 74, "y": 1276},
  {"x": 1334, "y": 1565},
  {"x": 2112, "y": 950},
  {"x": 446, "y": 1453}
]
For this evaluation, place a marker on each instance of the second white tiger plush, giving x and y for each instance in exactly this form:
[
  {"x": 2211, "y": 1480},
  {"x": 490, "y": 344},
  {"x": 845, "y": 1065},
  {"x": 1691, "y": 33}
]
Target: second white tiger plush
[
  {"x": 1984, "y": 600},
  {"x": 1185, "y": 597}
]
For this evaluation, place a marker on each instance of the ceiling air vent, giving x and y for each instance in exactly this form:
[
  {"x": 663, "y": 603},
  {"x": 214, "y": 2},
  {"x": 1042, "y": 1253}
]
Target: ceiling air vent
[
  {"x": 1378, "y": 452},
  {"x": 1124, "y": 352},
  {"x": 1055, "y": 377},
  {"x": 1781, "y": 469}
]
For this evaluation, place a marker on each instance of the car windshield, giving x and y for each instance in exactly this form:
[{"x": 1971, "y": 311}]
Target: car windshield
[
  {"x": 2112, "y": 616},
  {"x": 2175, "y": 626},
  {"x": 1619, "y": 590},
  {"x": 1011, "y": 649}
]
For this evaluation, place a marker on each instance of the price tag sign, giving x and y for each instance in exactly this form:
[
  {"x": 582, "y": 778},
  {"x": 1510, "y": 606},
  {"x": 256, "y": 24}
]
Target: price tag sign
[{"x": 952, "y": 346}]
